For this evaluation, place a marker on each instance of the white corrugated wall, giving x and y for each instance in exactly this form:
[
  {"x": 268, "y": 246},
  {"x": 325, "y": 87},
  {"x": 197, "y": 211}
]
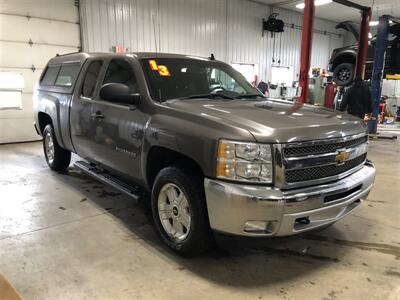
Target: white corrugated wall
[
  {"x": 231, "y": 29},
  {"x": 31, "y": 32}
]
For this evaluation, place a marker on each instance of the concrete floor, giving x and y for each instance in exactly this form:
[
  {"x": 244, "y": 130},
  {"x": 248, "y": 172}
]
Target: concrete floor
[{"x": 70, "y": 237}]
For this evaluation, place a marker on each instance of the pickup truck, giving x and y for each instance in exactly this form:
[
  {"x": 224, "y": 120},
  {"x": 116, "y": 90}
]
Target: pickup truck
[
  {"x": 214, "y": 154},
  {"x": 342, "y": 61}
]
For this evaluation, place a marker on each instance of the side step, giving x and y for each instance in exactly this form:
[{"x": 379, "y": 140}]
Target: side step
[{"x": 105, "y": 177}]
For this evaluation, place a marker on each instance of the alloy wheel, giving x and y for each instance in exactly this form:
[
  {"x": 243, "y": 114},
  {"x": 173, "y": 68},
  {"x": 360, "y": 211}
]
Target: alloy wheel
[
  {"x": 49, "y": 147},
  {"x": 174, "y": 212}
]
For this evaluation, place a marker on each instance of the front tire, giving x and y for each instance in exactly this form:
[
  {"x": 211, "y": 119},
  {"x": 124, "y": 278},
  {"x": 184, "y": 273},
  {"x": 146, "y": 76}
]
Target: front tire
[
  {"x": 343, "y": 75},
  {"x": 57, "y": 158},
  {"x": 179, "y": 211}
]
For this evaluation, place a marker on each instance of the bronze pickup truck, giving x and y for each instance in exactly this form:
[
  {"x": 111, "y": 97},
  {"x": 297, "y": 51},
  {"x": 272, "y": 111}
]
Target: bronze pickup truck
[{"x": 214, "y": 153}]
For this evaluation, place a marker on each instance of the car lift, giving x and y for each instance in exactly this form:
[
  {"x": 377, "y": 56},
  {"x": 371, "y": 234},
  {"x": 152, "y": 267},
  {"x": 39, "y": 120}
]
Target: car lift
[
  {"x": 377, "y": 73},
  {"x": 306, "y": 43}
]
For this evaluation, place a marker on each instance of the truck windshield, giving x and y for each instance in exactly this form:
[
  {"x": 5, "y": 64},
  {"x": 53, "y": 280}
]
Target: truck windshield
[{"x": 173, "y": 78}]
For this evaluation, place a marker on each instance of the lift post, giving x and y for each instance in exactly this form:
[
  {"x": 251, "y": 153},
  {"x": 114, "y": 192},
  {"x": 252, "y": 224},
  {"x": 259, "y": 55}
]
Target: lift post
[
  {"x": 363, "y": 44},
  {"x": 306, "y": 45},
  {"x": 379, "y": 64}
]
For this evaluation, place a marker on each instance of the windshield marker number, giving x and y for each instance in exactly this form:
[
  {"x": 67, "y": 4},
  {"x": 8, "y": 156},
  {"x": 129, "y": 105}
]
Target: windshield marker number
[{"x": 162, "y": 70}]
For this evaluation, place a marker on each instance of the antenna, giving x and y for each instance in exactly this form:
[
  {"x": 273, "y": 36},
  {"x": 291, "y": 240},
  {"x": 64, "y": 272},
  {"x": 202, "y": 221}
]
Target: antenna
[
  {"x": 159, "y": 24},
  {"x": 155, "y": 34}
]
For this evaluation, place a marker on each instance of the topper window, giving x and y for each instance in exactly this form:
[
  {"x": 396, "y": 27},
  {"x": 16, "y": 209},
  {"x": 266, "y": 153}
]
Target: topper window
[{"x": 67, "y": 75}]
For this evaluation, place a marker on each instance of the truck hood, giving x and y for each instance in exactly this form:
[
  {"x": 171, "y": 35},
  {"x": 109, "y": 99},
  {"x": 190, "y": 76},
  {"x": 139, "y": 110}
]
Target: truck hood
[
  {"x": 274, "y": 121},
  {"x": 351, "y": 27}
]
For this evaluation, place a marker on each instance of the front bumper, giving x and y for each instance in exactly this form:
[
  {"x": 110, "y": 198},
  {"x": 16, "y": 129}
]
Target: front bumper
[{"x": 250, "y": 210}]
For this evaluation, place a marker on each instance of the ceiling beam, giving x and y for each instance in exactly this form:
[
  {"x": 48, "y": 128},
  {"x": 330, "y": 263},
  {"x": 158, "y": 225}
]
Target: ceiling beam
[
  {"x": 352, "y": 4},
  {"x": 283, "y": 3}
]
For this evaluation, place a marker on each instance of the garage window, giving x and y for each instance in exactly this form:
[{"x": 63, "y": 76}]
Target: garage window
[
  {"x": 11, "y": 86},
  {"x": 281, "y": 75},
  {"x": 67, "y": 75},
  {"x": 219, "y": 80},
  {"x": 249, "y": 71},
  {"x": 50, "y": 75}
]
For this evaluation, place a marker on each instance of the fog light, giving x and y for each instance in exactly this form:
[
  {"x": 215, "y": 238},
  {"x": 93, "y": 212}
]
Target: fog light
[{"x": 260, "y": 226}]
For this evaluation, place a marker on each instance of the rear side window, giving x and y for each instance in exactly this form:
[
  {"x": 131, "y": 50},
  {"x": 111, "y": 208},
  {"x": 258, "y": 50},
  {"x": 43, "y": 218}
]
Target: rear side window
[
  {"x": 50, "y": 75},
  {"x": 67, "y": 75},
  {"x": 89, "y": 83}
]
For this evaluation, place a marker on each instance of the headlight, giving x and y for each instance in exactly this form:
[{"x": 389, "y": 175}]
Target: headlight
[{"x": 249, "y": 162}]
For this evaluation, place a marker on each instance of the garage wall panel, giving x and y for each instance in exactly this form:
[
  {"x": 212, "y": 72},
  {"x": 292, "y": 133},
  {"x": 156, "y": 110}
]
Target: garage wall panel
[
  {"x": 39, "y": 31},
  {"x": 195, "y": 28},
  {"x": 21, "y": 55},
  {"x": 60, "y": 10},
  {"x": 52, "y": 26},
  {"x": 25, "y": 113},
  {"x": 231, "y": 29}
]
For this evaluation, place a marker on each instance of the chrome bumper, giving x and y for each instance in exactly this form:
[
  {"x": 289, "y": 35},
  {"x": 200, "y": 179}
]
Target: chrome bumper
[{"x": 251, "y": 210}]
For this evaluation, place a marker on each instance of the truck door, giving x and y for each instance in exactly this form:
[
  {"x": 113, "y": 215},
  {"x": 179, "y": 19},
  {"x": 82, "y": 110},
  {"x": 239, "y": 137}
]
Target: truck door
[
  {"x": 81, "y": 108},
  {"x": 118, "y": 128}
]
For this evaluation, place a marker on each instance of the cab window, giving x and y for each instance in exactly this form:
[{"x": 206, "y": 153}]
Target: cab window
[
  {"x": 89, "y": 83},
  {"x": 120, "y": 71}
]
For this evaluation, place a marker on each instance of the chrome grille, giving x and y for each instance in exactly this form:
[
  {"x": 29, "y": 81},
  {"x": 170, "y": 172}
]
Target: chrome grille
[
  {"x": 322, "y": 171},
  {"x": 322, "y": 148},
  {"x": 319, "y": 161}
]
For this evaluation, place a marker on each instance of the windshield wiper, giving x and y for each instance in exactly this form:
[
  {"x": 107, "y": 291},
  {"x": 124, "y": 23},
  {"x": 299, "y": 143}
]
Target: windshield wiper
[
  {"x": 250, "y": 96},
  {"x": 223, "y": 95},
  {"x": 208, "y": 96}
]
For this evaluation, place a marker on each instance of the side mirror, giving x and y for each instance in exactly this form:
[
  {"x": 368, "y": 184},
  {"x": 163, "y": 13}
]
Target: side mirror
[{"x": 118, "y": 93}]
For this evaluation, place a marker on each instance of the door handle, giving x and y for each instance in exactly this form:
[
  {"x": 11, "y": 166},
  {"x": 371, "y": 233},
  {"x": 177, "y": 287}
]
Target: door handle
[{"x": 97, "y": 115}]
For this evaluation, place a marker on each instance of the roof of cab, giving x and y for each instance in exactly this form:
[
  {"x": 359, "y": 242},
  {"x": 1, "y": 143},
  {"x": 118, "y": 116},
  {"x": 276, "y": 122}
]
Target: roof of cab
[{"x": 79, "y": 57}]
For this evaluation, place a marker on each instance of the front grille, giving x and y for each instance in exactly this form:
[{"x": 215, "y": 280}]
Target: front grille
[
  {"x": 318, "y": 172},
  {"x": 322, "y": 148}
]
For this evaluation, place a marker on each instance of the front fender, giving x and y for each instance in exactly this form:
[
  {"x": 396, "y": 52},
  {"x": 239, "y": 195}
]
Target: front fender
[{"x": 190, "y": 135}]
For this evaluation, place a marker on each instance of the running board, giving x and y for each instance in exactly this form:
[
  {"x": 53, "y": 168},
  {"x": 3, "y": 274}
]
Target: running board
[{"x": 105, "y": 177}]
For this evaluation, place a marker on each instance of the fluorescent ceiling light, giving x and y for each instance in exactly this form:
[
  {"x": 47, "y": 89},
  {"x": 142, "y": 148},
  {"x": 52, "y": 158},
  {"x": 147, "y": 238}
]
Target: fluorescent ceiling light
[
  {"x": 375, "y": 23},
  {"x": 322, "y": 2},
  {"x": 316, "y": 3}
]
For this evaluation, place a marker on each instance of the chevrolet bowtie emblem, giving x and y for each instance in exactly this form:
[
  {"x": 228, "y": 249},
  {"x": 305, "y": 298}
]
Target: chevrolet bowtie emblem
[{"x": 342, "y": 156}]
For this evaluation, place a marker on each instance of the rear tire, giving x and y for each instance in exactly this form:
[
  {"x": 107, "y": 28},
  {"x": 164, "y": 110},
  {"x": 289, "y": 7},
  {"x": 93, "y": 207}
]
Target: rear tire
[
  {"x": 179, "y": 211},
  {"x": 343, "y": 75},
  {"x": 57, "y": 158}
]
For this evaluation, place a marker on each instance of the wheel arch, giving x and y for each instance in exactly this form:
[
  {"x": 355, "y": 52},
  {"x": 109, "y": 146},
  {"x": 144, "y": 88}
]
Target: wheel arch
[
  {"x": 347, "y": 57},
  {"x": 43, "y": 120},
  {"x": 159, "y": 157}
]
